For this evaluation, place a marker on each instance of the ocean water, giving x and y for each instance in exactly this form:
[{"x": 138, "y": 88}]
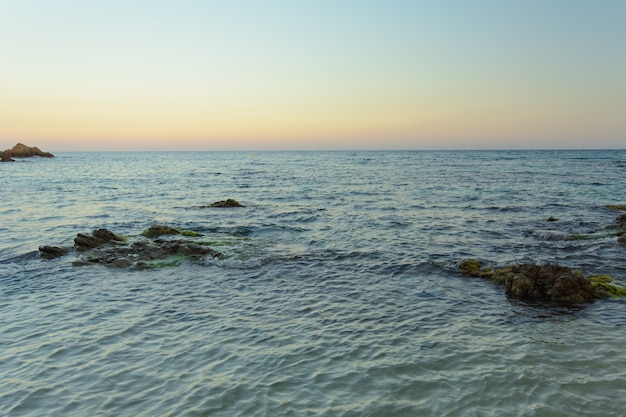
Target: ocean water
[{"x": 337, "y": 294}]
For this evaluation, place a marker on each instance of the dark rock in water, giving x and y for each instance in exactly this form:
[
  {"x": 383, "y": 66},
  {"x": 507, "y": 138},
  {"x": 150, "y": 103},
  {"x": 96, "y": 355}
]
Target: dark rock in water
[
  {"x": 159, "y": 230},
  {"x": 552, "y": 219},
  {"x": 22, "y": 151},
  {"x": 51, "y": 252},
  {"x": 106, "y": 248},
  {"x": 97, "y": 238},
  {"x": 225, "y": 204},
  {"x": 106, "y": 235},
  {"x": 85, "y": 242},
  {"x": 618, "y": 228},
  {"x": 5, "y": 157},
  {"x": 148, "y": 254},
  {"x": 552, "y": 284},
  {"x": 472, "y": 268}
]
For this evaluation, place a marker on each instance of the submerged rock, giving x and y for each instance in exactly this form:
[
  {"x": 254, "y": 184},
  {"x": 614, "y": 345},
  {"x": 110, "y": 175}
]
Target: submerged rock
[
  {"x": 224, "y": 204},
  {"x": 604, "y": 286},
  {"x": 148, "y": 254},
  {"x": 617, "y": 229},
  {"x": 106, "y": 248},
  {"x": 620, "y": 223},
  {"x": 159, "y": 230},
  {"x": 544, "y": 283}
]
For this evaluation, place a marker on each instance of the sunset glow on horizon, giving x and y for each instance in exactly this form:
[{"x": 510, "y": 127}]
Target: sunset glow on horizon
[{"x": 196, "y": 75}]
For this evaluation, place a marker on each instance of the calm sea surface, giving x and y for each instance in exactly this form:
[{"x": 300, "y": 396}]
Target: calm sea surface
[{"x": 337, "y": 294}]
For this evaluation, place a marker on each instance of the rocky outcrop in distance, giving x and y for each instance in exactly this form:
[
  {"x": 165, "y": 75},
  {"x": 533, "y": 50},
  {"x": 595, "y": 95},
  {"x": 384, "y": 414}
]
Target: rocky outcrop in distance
[
  {"x": 147, "y": 251},
  {"x": 22, "y": 151},
  {"x": 224, "y": 204},
  {"x": 550, "y": 284}
]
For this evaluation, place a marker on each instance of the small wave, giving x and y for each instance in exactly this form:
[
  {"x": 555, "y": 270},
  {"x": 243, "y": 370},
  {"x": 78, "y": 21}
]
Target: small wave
[
  {"x": 9, "y": 268},
  {"x": 20, "y": 259}
]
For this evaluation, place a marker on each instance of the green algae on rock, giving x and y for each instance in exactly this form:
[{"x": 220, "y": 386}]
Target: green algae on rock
[
  {"x": 545, "y": 283},
  {"x": 159, "y": 230},
  {"x": 106, "y": 248},
  {"x": 616, "y": 229},
  {"x": 604, "y": 285},
  {"x": 593, "y": 236},
  {"x": 472, "y": 268},
  {"x": 191, "y": 233}
]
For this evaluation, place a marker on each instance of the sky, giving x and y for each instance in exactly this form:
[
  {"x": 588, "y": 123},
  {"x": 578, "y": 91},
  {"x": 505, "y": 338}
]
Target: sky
[{"x": 318, "y": 74}]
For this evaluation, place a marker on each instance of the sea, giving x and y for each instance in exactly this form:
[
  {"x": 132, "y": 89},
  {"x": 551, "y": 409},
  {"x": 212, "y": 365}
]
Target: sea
[{"x": 337, "y": 293}]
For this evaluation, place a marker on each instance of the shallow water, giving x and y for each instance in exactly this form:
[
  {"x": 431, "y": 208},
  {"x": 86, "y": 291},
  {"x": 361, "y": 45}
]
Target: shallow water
[{"x": 337, "y": 294}]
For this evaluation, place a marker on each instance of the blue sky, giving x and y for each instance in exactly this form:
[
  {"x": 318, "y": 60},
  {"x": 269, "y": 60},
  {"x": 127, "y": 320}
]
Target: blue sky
[{"x": 313, "y": 74}]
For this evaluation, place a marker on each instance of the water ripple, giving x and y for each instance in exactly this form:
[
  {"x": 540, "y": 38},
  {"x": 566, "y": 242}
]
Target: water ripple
[{"x": 337, "y": 294}]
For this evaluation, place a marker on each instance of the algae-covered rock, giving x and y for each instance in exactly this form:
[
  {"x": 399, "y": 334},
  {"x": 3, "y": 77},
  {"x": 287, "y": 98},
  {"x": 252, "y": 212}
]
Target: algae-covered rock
[
  {"x": 159, "y": 230},
  {"x": 191, "y": 233},
  {"x": 617, "y": 206},
  {"x": 605, "y": 287},
  {"x": 616, "y": 229},
  {"x": 107, "y": 248},
  {"x": 148, "y": 254},
  {"x": 549, "y": 283},
  {"x": 470, "y": 267}
]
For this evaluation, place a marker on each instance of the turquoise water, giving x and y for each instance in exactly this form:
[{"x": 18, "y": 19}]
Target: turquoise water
[{"x": 337, "y": 294}]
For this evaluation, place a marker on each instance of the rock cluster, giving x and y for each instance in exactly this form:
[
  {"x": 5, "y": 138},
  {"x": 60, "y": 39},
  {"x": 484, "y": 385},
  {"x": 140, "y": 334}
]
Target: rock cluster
[
  {"x": 106, "y": 248},
  {"x": 22, "y": 151},
  {"x": 553, "y": 284}
]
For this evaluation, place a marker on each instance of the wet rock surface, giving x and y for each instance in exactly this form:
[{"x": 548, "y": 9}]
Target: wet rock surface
[
  {"x": 147, "y": 251},
  {"x": 51, "y": 252},
  {"x": 553, "y": 284},
  {"x": 97, "y": 238},
  {"x": 159, "y": 230},
  {"x": 616, "y": 229}
]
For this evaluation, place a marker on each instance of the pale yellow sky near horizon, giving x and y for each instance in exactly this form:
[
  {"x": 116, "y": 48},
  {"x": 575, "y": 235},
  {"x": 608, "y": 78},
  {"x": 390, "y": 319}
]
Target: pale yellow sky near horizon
[{"x": 202, "y": 75}]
